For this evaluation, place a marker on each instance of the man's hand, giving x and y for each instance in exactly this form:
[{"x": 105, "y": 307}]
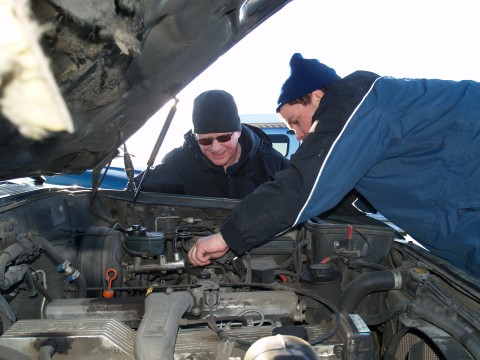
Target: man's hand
[{"x": 206, "y": 248}]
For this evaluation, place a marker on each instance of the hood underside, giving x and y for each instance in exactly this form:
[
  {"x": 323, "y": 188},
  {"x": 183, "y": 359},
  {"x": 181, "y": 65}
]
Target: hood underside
[{"x": 77, "y": 79}]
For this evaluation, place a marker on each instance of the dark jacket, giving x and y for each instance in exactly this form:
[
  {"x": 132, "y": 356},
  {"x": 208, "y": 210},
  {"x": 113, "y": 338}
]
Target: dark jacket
[
  {"x": 411, "y": 147},
  {"x": 185, "y": 170}
]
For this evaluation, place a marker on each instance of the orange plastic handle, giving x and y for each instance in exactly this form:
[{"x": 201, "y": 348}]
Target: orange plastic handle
[
  {"x": 109, "y": 292},
  {"x": 110, "y": 279}
]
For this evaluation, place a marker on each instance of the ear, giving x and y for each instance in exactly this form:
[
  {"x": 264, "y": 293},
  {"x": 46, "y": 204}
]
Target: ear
[{"x": 318, "y": 94}]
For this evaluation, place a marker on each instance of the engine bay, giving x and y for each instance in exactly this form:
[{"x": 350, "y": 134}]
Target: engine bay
[{"x": 91, "y": 276}]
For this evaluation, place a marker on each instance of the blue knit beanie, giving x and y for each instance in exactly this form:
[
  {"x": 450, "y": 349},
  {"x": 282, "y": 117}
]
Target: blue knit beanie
[
  {"x": 215, "y": 111},
  {"x": 306, "y": 76}
]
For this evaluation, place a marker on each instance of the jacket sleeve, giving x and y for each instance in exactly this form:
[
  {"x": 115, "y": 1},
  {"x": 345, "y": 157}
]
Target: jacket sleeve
[
  {"x": 325, "y": 168},
  {"x": 165, "y": 176},
  {"x": 284, "y": 163},
  {"x": 274, "y": 206},
  {"x": 277, "y": 161}
]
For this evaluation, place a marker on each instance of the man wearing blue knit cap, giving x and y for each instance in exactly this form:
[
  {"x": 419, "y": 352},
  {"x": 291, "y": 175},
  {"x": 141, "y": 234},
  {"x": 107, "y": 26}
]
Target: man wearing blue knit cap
[{"x": 410, "y": 147}]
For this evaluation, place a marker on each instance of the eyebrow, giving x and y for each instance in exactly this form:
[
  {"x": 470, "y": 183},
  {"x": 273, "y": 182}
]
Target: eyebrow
[
  {"x": 290, "y": 122},
  {"x": 213, "y": 137}
]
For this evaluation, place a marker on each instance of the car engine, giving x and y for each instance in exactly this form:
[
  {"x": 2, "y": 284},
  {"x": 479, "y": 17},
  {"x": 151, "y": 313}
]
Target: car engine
[{"x": 93, "y": 276}]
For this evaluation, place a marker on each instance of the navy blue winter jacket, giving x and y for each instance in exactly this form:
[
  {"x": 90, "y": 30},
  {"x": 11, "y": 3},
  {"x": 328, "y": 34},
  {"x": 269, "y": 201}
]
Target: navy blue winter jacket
[
  {"x": 186, "y": 170},
  {"x": 411, "y": 147}
]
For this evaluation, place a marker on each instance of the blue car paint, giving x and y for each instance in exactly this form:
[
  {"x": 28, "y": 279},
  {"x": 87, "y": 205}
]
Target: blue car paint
[{"x": 115, "y": 178}]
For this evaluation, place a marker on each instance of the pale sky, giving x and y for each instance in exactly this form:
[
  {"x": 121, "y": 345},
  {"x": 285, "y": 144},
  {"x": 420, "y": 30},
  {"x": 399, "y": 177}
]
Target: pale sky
[{"x": 408, "y": 38}]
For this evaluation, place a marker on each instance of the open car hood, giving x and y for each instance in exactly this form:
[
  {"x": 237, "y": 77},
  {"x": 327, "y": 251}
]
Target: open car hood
[{"x": 114, "y": 64}]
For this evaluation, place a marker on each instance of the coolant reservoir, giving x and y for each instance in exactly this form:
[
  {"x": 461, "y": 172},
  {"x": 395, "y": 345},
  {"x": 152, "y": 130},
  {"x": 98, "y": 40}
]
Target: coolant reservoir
[{"x": 139, "y": 240}]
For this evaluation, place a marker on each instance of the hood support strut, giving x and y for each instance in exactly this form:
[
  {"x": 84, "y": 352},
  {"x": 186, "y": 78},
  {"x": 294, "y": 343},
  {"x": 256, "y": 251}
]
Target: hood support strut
[{"x": 156, "y": 148}]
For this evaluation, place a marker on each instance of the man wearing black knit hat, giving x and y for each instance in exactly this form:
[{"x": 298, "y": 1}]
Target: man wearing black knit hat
[
  {"x": 220, "y": 157},
  {"x": 410, "y": 147}
]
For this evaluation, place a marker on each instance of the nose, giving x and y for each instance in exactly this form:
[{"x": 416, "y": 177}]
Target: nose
[
  {"x": 216, "y": 145},
  {"x": 299, "y": 135}
]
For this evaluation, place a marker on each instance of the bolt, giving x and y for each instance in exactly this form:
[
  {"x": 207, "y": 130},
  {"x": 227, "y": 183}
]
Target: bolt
[
  {"x": 196, "y": 311},
  {"x": 338, "y": 350}
]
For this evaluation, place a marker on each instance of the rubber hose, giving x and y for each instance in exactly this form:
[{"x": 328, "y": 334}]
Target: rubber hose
[
  {"x": 6, "y": 309},
  {"x": 383, "y": 317},
  {"x": 367, "y": 264},
  {"x": 81, "y": 285},
  {"x": 10, "y": 253},
  {"x": 47, "y": 349},
  {"x": 366, "y": 284},
  {"x": 58, "y": 258},
  {"x": 54, "y": 254}
]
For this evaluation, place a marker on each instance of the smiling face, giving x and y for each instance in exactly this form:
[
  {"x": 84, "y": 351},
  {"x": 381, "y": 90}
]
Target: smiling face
[
  {"x": 298, "y": 117},
  {"x": 218, "y": 152}
]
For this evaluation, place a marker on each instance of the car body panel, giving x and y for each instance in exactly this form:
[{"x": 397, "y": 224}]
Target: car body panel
[{"x": 283, "y": 139}]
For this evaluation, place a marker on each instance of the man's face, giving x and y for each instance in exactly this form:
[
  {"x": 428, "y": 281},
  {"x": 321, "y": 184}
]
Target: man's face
[
  {"x": 298, "y": 117},
  {"x": 220, "y": 152}
]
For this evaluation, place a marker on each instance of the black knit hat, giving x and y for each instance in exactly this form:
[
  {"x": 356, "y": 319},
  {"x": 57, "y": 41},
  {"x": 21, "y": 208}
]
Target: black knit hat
[
  {"x": 306, "y": 75},
  {"x": 215, "y": 111}
]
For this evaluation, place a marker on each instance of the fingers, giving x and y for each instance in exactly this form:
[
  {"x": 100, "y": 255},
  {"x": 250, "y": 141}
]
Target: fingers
[
  {"x": 207, "y": 248},
  {"x": 196, "y": 258}
]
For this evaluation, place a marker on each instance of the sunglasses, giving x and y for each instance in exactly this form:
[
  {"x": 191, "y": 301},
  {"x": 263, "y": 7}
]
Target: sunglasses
[{"x": 220, "y": 138}]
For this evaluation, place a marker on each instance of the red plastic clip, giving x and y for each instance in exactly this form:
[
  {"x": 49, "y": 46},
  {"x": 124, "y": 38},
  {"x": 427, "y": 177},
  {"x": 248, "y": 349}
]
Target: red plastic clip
[
  {"x": 109, "y": 293},
  {"x": 349, "y": 232}
]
